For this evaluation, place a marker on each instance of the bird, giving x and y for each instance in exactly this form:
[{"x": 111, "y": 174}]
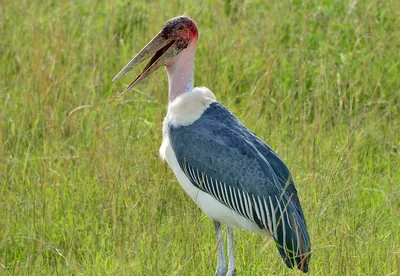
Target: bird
[{"x": 231, "y": 174}]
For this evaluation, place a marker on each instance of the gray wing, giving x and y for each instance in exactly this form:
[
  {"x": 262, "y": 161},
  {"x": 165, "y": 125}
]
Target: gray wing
[{"x": 224, "y": 159}]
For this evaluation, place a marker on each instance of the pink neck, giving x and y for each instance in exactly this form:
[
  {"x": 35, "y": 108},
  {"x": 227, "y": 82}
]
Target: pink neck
[{"x": 181, "y": 72}]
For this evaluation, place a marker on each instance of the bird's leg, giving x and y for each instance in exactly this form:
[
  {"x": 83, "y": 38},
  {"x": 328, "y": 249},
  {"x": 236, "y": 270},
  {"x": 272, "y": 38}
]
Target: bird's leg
[
  {"x": 221, "y": 268},
  {"x": 231, "y": 263}
]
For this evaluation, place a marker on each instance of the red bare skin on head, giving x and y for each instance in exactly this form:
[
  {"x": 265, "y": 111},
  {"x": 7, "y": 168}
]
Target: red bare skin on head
[
  {"x": 181, "y": 27},
  {"x": 192, "y": 29}
]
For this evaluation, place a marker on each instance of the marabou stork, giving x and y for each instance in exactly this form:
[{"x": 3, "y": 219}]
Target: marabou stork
[{"x": 230, "y": 173}]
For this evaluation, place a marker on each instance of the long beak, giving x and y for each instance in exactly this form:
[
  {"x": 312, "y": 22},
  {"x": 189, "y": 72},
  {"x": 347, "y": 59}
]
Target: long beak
[{"x": 164, "y": 50}]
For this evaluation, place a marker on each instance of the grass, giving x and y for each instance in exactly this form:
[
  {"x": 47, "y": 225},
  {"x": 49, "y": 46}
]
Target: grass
[{"x": 82, "y": 189}]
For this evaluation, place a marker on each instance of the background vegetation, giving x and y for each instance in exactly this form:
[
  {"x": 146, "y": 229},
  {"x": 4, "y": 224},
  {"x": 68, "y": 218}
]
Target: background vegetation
[{"x": 82, "y": 189}]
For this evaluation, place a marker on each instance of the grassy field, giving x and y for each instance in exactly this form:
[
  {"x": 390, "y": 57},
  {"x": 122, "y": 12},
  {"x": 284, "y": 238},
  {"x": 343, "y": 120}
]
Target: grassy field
[{"x": 82, "y": 189}]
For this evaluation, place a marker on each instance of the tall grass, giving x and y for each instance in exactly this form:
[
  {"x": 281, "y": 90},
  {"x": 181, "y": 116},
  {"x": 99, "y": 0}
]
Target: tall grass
[{"x": 82, "y": 189}]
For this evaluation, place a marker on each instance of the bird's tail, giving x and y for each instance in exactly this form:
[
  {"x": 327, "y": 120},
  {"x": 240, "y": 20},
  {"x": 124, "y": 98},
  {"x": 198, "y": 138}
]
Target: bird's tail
[{"x": 292, "y": 237}]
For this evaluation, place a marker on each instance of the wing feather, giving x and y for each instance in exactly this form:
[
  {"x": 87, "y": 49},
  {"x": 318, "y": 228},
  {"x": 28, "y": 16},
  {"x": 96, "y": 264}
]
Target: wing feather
[{"x": 223, "y": 158}]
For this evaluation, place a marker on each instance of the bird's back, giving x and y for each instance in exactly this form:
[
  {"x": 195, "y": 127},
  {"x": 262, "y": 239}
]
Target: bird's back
[{"x": 224, "y": 159}]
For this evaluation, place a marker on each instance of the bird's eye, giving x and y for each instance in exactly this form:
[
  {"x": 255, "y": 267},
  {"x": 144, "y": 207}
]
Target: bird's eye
[{"x": 181, "y": 27}]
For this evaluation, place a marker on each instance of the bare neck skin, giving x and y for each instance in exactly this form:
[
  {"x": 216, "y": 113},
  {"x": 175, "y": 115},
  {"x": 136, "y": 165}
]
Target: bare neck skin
[{"x": 181, "y": 73}]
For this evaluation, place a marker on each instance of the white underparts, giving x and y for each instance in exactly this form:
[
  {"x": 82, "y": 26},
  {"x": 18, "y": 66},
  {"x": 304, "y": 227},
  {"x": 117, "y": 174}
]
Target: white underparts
[{"x": 184, "y": 110}]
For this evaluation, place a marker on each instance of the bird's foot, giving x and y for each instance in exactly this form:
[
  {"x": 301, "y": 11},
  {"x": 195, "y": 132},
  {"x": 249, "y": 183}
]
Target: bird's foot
[
  {"x": 231, "y": 272},
  {"x": 220, "y": 271}
]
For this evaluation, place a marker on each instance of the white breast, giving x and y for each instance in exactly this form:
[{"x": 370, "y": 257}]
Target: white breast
[{"x": 184, "y": 110}]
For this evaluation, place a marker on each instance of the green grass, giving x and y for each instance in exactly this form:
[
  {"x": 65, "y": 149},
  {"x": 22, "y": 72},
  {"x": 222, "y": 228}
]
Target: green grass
[{"x": 82, "y": 189}]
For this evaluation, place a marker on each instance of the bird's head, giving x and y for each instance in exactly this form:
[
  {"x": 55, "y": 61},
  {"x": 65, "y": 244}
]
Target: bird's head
[{"x": 174, "y": 37}]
